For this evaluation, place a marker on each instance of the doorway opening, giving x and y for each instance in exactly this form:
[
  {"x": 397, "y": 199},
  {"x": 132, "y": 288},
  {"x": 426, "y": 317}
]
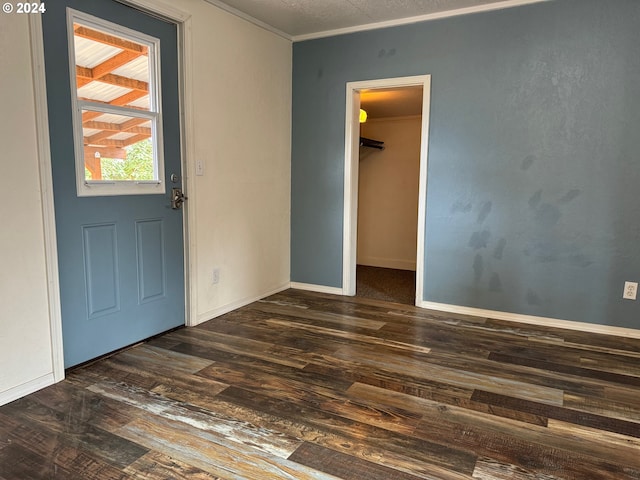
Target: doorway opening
[{"x": 385, "y": 189}]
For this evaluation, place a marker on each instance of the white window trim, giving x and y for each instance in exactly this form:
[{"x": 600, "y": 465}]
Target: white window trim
[{"x": 92, "y": 188}]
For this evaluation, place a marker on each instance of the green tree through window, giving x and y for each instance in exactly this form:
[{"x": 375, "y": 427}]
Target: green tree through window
[{"x": 137, "y": 166}]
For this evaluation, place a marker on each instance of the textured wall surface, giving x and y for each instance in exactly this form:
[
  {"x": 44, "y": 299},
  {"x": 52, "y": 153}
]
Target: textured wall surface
[
  {"x": 534, "y": 155},
  {"x": 388, "y": 193}
]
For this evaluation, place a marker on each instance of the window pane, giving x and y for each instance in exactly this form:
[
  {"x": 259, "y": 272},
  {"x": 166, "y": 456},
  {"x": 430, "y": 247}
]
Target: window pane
[
  {"x": 118, "y": 147},
  {"x": 111, "y": 69},
  {"x": 117, "y": 108}
]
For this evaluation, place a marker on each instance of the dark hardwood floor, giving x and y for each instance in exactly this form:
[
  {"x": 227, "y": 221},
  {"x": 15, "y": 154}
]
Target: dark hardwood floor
[{"x": 310, "y": 386}]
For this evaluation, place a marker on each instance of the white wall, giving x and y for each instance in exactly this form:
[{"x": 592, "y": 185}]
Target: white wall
[
  {"x": 388, "y": 194},
  {"x": 242, "y": 132},
  {"x": 25, "y": 340},
  {"x": 239, "y": 210}
]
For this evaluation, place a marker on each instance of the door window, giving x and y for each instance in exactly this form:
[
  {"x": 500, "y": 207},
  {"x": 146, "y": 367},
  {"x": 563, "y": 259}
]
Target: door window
[{"x": 116, "y": 105}]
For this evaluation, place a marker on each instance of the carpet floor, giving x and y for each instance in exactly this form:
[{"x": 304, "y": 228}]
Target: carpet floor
[{"x": 386, "y": 284}]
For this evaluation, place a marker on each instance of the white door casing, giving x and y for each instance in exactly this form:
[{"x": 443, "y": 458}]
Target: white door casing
[{"x": 352, "y": 139}]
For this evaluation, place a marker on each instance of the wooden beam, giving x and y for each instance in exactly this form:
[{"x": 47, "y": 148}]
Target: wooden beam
[
  {"x": 81, "y": 82},
  {"x": 114, "y": 127},
  {"x": 125, "y": 82},
  {"x": 146, "y": 131},
  {"x": 105, "y": 152},
  {"x": 106, "y": 142},
  {"x": 109, "y": 142},
  {"x": 104, "y": 73},
  {"x": 86, "y": 116},
  {"x": 107, "y": 39},
  {"x": 99, "y": 138},
  {"x": 84, "y": 72},
  {"x": 114, "y": 62},
  {"x": 129, "y": 125},
  {"x": 127, "y": 98},
  {"x": 94, "y": 165},
  {"x": 84, "y": 75},
  {"x": 134, "y": 139},
  {"x": 112, "y": 79}
]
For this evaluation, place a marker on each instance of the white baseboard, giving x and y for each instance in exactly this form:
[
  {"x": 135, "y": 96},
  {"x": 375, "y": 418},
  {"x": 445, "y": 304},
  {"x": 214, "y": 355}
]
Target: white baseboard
[
  {"x": 37, "y": 384},
  {"x": 216, "y": 312},
  {"x": 317, "y": 288},
  {"x": 533, "y": 320},
  {"x": 26, "y": 388},
  {"x": 397, "y": 264}
]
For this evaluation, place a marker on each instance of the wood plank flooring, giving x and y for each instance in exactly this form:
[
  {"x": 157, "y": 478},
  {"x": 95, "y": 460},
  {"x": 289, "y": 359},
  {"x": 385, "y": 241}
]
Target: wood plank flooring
[{"x": 311, "y": 386}]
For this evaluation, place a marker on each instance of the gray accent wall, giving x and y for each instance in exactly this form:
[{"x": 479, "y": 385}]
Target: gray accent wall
[{"x": 534, "y": 155}]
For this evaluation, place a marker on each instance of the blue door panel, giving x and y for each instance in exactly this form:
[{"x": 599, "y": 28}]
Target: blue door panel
[
  {"x": 121, "y": 258},
  {"x": 151, "y": 260},
  {"x": 102, "y": 276}
]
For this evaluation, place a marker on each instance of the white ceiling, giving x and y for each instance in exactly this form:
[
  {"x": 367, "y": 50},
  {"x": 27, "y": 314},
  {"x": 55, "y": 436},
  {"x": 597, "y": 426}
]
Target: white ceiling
[
  {"x": 391, "y": 102},
  {"x": 302, "y": 19}
]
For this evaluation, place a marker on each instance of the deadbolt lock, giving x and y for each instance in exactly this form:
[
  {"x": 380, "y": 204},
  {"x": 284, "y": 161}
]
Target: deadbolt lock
[{"x": 177, "y": 198}]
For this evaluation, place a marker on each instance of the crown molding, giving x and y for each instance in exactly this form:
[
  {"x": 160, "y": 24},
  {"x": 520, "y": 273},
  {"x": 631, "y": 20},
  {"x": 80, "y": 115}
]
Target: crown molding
[
  {"x": 409, "y": 20},
  {"x": 245, "y": 16},
  {"x": 370, "y": 26}
]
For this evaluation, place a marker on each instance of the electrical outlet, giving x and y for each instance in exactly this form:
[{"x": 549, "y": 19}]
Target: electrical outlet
[
  {"x": 630, "y": 290},
  {"x": 216, "y": 276}
]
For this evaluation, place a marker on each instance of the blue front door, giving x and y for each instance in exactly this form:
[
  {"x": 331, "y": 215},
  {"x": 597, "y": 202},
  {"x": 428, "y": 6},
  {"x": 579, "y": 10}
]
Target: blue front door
[{"x": 121, "y": 255}]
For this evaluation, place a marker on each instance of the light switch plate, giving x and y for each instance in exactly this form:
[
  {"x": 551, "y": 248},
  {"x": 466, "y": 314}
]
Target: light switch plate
[{"x": 199, "y": 167}]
